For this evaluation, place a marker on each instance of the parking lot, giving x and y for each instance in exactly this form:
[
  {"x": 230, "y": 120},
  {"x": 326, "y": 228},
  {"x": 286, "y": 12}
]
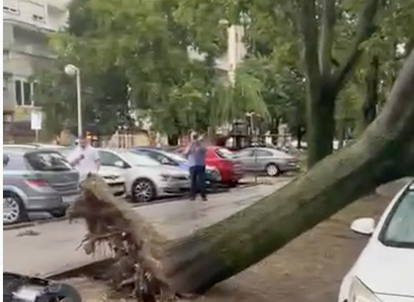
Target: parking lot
[{"x": 42, "y": 217}]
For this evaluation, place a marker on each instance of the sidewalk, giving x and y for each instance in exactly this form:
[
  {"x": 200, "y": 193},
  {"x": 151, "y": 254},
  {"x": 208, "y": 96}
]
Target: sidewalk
[{"x": 51, "y": 248}]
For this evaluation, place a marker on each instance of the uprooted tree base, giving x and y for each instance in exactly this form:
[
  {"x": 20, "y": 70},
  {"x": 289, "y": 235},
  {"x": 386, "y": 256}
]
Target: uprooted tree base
[{"x": 132, "y": 242}]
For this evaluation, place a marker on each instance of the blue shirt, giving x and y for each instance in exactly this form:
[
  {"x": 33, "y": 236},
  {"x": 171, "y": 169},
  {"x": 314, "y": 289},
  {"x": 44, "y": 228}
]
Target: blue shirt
[{"x": 196, "y": 155}]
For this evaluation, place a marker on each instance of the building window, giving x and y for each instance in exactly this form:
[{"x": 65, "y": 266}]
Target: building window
[
  {"x": 24, "y": 91},
  {"x": 11, "y": 7}
]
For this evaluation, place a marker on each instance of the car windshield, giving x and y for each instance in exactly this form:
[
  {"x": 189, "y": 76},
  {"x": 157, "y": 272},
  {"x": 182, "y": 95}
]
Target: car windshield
[
  {"x": 398, "y": 229},
  {"x": 139, "y": 160},
  {"x": 47, "y": 161},
  {"x": 225, "y": 153},
  {"x": 176, "y": 157}
]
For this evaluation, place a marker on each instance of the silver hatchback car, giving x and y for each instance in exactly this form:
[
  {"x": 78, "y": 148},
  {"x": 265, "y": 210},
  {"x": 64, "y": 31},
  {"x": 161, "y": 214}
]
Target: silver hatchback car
[{"x": 36, "y": 180}]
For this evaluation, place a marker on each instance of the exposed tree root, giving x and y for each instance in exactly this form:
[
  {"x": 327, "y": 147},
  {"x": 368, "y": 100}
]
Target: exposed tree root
[{"x": 133, "y": 242}]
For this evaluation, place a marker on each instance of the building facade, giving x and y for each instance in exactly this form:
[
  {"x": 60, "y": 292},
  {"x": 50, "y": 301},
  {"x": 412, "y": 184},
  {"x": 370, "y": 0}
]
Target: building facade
[{"x": 26, "y": 25}]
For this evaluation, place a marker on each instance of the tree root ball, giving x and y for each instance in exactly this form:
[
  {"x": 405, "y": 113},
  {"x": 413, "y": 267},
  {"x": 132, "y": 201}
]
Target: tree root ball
[{"x": 132, "y": 242}]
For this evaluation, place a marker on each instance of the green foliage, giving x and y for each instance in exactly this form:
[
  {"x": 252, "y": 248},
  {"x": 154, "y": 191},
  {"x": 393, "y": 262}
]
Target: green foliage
[
  {"x": 56, "y": 95},
  {"x": 144, "y": 45},
  {"x": 232, "y": 101}
]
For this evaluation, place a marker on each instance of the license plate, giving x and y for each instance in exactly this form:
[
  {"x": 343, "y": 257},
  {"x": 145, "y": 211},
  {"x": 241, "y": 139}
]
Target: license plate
[{"x": 69, "y": 199}]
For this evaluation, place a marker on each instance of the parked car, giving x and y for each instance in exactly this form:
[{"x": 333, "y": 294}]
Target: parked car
[
  {"x": 36, "y": 181},
  {"x": 224, "y": 161},
  {"x": 177, "y": 160},
  {"x": 267, "y": 160},
  {"x": 384, "y": 271},
  {"x": 145, "y": 178},
  {"x": 112, "y": 176}
]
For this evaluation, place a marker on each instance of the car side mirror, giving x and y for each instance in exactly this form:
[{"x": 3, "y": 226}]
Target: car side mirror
[
  {"x": 120, "y": 164},
  {"x": 363, "y": 226},
  {"x": 165, "y": 161}
]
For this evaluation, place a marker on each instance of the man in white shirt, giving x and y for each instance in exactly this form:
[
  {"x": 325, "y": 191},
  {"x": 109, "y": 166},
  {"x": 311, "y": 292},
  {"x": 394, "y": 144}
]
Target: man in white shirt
[{"x": 85, "y": 158}]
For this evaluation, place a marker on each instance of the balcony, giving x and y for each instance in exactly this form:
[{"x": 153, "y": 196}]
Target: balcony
[{"x": 34, "y": 50}]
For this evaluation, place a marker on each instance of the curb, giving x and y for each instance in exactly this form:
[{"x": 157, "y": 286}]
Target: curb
[
  {"x": 31, "y": 223},
  {"x": 75, "y": 271}
]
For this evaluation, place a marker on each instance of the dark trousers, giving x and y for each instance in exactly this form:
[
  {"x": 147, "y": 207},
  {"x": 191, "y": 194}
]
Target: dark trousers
[{"x": 198, "y": 181}]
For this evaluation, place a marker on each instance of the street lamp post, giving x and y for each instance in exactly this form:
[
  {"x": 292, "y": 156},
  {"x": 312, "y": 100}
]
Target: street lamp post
[{"x": 72, "y": 70}]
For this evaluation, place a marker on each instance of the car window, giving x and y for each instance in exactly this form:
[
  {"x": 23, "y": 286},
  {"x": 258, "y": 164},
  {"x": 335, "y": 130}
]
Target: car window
[
  {"x": 108, "y": 158},
  {"x": 225, "y": 153},
  {"x": 176, "y": 157},
  {"x": 139, "y": 160},
  {"x": 47, "y": 161},
  {"x": 263, "y": 153},
  {"x": 13, "y": 162},
  {"x": 398, "y": 229},
  {"x": 159, "y": 157},
  {"x": 280, "y": 154},
  {"x": 245, "y": 153}
]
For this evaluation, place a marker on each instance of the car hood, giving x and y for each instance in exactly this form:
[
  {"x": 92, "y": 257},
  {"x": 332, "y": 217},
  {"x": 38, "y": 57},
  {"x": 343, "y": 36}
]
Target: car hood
[
  {"x": 109, "y": 171},
  {"x": 111, "y": 174},
  {"x": 162, "y": 169},
  {"x": 387, "y": 271}
]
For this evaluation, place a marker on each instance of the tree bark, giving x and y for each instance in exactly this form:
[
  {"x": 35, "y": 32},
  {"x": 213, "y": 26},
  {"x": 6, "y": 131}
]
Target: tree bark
[
  {"x": 371, "y": 101},
  {"x": 194, "y": 264},
  {"x": 385, "y": 152}
]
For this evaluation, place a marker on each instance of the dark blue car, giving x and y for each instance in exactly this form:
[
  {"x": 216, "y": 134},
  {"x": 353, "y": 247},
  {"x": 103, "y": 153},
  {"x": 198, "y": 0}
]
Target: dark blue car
[{"x": 172, "y": 159}]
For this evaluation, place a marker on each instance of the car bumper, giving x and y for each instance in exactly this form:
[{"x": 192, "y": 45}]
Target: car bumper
[
  {"x": 49, "y": 202},
  {"x": 118, "y": 189},
  {"x": 174, "y": 186},
  {"x": 289, "y": 168}
]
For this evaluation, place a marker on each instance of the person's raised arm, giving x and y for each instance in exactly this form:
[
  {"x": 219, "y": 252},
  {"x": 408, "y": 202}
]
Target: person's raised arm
[{"x": 75, "y": 157}]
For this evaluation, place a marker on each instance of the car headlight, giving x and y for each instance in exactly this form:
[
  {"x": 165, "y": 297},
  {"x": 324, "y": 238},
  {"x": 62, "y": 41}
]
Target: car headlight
[
  {"x": 165, "y": 177},
  {"x": 216, "y": 174},
  {"x": 361, "y": 293}
]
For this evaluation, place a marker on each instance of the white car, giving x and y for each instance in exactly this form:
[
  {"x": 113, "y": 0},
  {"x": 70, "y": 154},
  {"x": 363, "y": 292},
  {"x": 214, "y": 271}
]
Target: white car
[
  {"x": 145, "y": 178},
  {"x": 384, "y": 272}
]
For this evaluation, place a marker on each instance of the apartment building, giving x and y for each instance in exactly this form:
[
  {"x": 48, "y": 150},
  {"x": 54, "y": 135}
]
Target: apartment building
[{"x": 26, "y": 25}]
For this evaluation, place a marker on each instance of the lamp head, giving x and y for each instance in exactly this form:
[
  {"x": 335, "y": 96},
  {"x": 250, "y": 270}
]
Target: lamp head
[{"x": 71, "y": 70}]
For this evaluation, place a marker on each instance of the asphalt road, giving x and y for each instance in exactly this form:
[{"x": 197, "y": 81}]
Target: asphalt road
[{"x": 41, "y": 216}]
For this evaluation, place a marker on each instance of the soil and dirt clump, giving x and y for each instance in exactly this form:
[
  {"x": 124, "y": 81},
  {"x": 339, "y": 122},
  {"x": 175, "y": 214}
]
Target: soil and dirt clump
[{"x": 308, "y": 269}]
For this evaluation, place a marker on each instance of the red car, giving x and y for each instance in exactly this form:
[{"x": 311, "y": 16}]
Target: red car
[{"x": 223, "y": 159}]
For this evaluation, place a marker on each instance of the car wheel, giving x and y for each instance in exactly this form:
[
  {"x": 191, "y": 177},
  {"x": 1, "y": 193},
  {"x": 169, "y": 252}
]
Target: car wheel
[
  {"x": 143, "y": 191},
  {"x": 13, "y": 209},
  {"x": 58, "y": 213},
  {"x": 272, "y": 170},
  {"x": 233, "y": 184}
]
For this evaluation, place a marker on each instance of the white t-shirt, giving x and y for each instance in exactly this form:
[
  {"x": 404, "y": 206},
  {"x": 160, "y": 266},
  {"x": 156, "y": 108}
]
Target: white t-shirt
[{"x": 89, "y": 163}]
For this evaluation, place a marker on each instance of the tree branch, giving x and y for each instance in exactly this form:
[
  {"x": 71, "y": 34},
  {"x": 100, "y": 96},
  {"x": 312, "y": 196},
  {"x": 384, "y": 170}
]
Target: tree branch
[
  {"x": 365, "y": 29},
  {"x": 327, "y": 36}
]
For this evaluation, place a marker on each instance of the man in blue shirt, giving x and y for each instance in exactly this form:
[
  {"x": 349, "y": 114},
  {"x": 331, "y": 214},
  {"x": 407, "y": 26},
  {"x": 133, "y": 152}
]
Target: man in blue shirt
[{"x": 196, "y": 155}]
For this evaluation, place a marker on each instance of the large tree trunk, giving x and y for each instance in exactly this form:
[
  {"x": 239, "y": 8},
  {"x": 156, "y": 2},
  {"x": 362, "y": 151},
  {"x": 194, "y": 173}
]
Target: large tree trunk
[
  {"x": 195, "y": 263},
  {"x": 320, "y": 123},
  {"x": 385, "y": 152}
]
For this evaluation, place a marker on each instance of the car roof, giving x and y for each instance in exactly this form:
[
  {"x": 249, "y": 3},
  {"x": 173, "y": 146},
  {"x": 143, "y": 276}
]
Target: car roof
[{"x": 20, "y": 146}]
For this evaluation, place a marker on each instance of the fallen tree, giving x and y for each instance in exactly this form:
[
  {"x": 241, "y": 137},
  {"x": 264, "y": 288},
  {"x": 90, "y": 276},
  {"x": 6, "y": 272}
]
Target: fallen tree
[{"x": 194, "y": 264}]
